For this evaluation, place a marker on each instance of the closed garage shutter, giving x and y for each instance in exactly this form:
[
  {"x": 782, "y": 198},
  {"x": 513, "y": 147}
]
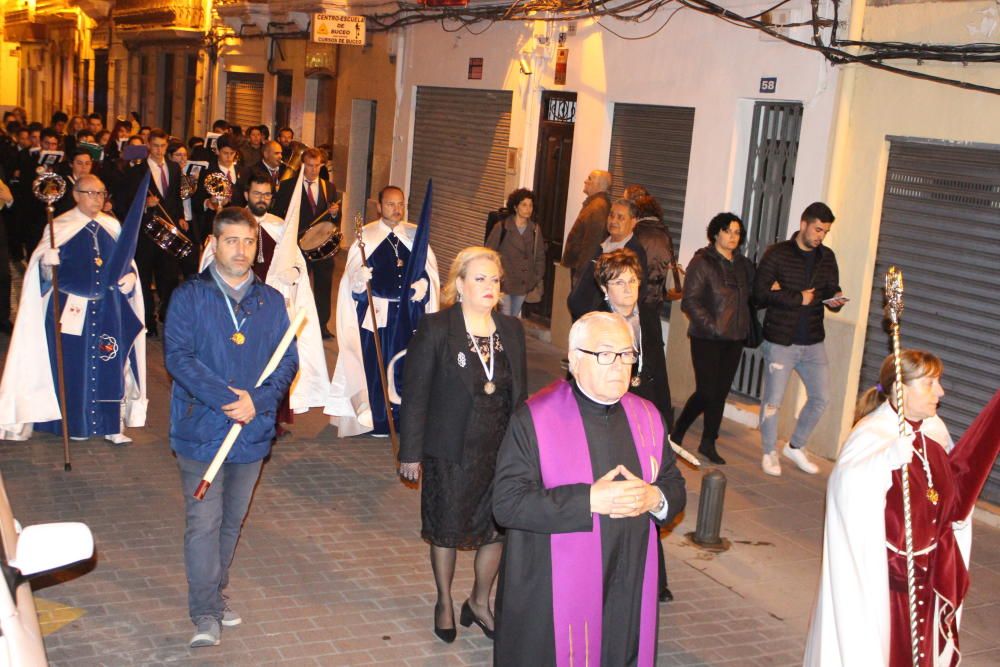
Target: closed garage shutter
[
  {"x": 651, "y": 146},
  {"x": 460, "y": 140},
  {"x": 244, "y": 97},
  {"x": 941, "y": 226}
]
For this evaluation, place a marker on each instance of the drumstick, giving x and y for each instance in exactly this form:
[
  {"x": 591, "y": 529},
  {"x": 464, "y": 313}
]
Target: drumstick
[
  {"x": 320, "y": 216},
  {"x": 234, "y": 431}
]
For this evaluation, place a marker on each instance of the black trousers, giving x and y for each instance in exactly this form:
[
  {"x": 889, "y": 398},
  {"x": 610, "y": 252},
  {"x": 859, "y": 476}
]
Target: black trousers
[
  {"x": 160, "y": 266},
  {"x": 322, "y": 277},
  {"x": 715, "y": 363}
]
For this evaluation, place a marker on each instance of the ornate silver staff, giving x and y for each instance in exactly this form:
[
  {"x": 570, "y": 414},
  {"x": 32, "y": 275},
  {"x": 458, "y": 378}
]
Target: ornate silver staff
[
  {"x": 49, "y": 188},
  {"x": 358, "y": 225},
  {"x": 894, "y": 306}
]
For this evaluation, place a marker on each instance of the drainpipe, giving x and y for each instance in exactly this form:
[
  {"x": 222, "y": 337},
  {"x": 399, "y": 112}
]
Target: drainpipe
[{"x": 845, "y": 97}]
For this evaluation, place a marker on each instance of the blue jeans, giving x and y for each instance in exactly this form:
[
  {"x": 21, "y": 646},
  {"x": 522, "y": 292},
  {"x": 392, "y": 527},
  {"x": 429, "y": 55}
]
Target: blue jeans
[
  {"x": 212, "y": 528},
  {"x": 810, "y": 362},
  {"x": 510, "y": 304}
]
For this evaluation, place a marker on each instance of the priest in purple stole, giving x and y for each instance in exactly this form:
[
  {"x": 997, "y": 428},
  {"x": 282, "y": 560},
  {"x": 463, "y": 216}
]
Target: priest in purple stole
[{"x": 583, "y": 474}]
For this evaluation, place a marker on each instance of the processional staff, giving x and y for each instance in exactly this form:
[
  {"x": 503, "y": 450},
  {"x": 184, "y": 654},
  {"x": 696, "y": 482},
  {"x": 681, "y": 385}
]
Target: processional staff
[
  {"x": 894, "y": 307},
  {"x": 50, "y": 188},
  {"x": 358, "y": 232}
]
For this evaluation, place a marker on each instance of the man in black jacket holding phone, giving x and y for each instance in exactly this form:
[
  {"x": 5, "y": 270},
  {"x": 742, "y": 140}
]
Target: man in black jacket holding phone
[{"x": 795, "y": 281}]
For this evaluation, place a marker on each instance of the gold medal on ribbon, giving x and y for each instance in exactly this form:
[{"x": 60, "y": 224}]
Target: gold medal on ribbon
[
  {"x": 932, "y": 495},
  {"x": 238, "y": 338},
  {"x": 98, "y": 261},
  {"x": 489, "y": 387}
]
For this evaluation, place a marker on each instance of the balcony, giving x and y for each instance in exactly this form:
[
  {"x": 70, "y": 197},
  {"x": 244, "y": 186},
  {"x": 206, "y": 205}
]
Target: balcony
[{"x": 159, "y": 19}]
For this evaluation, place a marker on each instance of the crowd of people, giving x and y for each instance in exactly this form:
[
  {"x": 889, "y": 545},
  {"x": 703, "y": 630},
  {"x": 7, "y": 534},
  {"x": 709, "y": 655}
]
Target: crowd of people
[{"x": 222, "y": 242}]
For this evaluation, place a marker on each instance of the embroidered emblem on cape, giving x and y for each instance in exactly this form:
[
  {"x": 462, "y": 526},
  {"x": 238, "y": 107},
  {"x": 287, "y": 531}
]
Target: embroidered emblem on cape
[
  {"x": 109, "y": 346},
  {"x": 461, "y": 359}
]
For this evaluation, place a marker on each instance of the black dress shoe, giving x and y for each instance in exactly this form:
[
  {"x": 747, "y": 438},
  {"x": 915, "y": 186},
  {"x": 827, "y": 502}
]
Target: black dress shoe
[
  {"x": 666, "y": 595},
  {"x": 447, "y": 635},
  {"x": 469, "y": 617},
  {"x": 708, "y": 451}
]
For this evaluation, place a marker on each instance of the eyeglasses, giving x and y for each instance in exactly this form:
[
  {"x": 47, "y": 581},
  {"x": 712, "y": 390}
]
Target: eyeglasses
[
  {"x": 100, "y": 194},
  {"x": 261, "y": 195},
  {"x": 607, "y": 357},
  {"x": 621, "y": 282}
]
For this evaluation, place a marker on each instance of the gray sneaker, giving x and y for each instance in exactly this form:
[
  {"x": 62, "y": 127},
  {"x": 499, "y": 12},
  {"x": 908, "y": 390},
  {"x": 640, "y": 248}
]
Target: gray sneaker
[
  {"x": 230, "y": 618},
  {"x": 208, "y": 633}
]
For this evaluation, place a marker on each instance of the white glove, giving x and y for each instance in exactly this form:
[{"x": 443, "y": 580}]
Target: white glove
[
  {"x": 901, "y": 451},
  {"x": 288, "y": 276},
  {"x": 50, "y": 257},
  {"x": 419, "y": 290},
  {"x": 361, "y": 279},
  {"x": 127, "y": 283}
]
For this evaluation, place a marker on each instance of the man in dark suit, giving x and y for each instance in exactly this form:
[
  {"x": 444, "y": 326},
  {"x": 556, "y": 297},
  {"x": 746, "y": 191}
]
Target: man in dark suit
[
  {"x": 270, "y": 165},
  {"x": 315, "y": 196},
  {"x": 163, "y": 200},
  {"x": 224, "y": 163}
]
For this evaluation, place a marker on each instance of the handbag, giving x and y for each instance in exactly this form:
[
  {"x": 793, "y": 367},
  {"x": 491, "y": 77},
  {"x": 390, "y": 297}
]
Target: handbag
[
  {"x": 755, "y": 336},
  {"x": 676, "y": 292}
]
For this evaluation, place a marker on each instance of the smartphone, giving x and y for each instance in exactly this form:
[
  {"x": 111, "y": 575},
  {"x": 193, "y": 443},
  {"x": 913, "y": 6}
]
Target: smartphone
[{"x": 833, "y": 299}]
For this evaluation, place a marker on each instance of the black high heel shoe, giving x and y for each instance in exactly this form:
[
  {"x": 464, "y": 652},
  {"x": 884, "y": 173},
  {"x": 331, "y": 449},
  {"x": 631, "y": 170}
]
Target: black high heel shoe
[
  {"x": 447, "y": 635},
  {"x": 469, "y": 617}
]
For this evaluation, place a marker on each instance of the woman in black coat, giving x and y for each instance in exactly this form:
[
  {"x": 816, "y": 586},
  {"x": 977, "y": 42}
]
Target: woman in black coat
[
  {"x": 717, "y": 300},
  {"x": 466, "y": 372},
  {"x": 618, "y": 275}
]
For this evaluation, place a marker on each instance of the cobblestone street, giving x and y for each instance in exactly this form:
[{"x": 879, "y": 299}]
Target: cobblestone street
[{"x": 331, "y": 569}]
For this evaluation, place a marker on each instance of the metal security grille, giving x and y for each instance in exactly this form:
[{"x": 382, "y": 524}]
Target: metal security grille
[
  {"x": 651, "y": 146},
  {"x": 460, "y": 139},
  {"x": 941, "y": 226},
  {"x": 767, "y": 197},
  {"x": 244, "y": 96}
]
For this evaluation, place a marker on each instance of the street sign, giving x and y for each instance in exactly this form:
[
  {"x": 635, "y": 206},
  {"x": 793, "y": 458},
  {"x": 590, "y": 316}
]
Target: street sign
[
  {"x": 338, "y": 29},
  {"x": 768, "y": 84}
]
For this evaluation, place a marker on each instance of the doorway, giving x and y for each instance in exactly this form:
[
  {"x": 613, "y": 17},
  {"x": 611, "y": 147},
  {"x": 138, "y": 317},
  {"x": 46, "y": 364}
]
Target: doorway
[{"x": 555, "y": 151}]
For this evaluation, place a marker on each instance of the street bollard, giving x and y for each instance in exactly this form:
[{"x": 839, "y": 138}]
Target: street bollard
[{"x": 710, "y": 505}]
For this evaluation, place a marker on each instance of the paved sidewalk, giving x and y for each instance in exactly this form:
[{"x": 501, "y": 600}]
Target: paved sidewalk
[{"x": 331, "y": 569}]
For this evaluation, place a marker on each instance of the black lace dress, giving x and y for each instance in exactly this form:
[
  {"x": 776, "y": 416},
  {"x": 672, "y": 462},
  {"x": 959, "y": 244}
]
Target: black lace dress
[{"x": 456, "y": 499}]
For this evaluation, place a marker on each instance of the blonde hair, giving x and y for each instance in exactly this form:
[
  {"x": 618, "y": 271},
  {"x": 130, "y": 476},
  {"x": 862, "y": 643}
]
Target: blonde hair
[
  {"x": 460, "y": 267},
  {"x": 915, "y": 364}
]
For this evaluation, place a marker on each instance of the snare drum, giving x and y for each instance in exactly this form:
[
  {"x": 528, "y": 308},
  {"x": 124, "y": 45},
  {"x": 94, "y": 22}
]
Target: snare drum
[
  {"x": 168, "y": 237},
  {"x": 321, "y": 241}
]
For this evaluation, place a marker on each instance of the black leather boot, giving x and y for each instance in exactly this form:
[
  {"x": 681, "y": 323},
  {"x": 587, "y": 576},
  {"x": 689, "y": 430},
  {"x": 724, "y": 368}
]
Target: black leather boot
[{"x": 707, "y": 449}]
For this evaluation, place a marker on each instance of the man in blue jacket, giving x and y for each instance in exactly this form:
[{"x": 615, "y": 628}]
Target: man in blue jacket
[{"x": 222, "y": 328}]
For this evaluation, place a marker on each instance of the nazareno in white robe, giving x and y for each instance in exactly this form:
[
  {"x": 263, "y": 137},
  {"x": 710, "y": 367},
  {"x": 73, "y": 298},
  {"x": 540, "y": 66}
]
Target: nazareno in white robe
[
  {"x": 347, "y": 403},
  {"x": 850, "y": 622},
  {"x": 27, "y": 392}
]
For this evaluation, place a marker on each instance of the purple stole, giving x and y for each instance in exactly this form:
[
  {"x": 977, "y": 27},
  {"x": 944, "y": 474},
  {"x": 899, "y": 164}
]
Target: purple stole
[{"x": 577, "y": 568}]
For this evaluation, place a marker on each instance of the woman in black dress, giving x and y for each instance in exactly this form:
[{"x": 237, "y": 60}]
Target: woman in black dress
[
  {"x": 465, "y": 373},
  {"x": 619, "y": 275}
]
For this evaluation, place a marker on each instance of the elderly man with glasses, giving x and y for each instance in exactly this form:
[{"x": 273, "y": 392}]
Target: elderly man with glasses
[
  {"x": 584, "y": 474},
  {"x": 104, "y": 347}
]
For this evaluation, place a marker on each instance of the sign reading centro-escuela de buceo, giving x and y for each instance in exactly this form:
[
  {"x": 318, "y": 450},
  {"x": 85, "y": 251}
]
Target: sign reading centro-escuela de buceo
[{"x": 338, "y": 29}]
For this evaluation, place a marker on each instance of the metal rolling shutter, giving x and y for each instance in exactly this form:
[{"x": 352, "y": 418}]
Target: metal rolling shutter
[
  {"x": 651, "y": 146},
  {"x": 460, "y": 139},
  {"x": 941, "y": 226},
  {"x": 244, "y": 97}
]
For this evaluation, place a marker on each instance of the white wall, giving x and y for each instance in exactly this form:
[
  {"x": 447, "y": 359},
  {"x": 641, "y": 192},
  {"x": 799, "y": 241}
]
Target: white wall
[{"x": 696, "y": 61}]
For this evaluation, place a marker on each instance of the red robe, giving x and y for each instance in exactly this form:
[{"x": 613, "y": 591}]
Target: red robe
[
  {"x": 942, "y": 579},
  {"x": 260, "y": 269}
]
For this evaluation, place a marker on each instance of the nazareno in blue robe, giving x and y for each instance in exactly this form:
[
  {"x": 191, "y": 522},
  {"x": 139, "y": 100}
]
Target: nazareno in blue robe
[{"x": 95, "y": 361}]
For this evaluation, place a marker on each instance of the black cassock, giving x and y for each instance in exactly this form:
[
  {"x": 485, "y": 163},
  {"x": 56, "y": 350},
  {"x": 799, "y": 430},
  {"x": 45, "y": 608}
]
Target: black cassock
[{"x": 532, "y": 513}]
